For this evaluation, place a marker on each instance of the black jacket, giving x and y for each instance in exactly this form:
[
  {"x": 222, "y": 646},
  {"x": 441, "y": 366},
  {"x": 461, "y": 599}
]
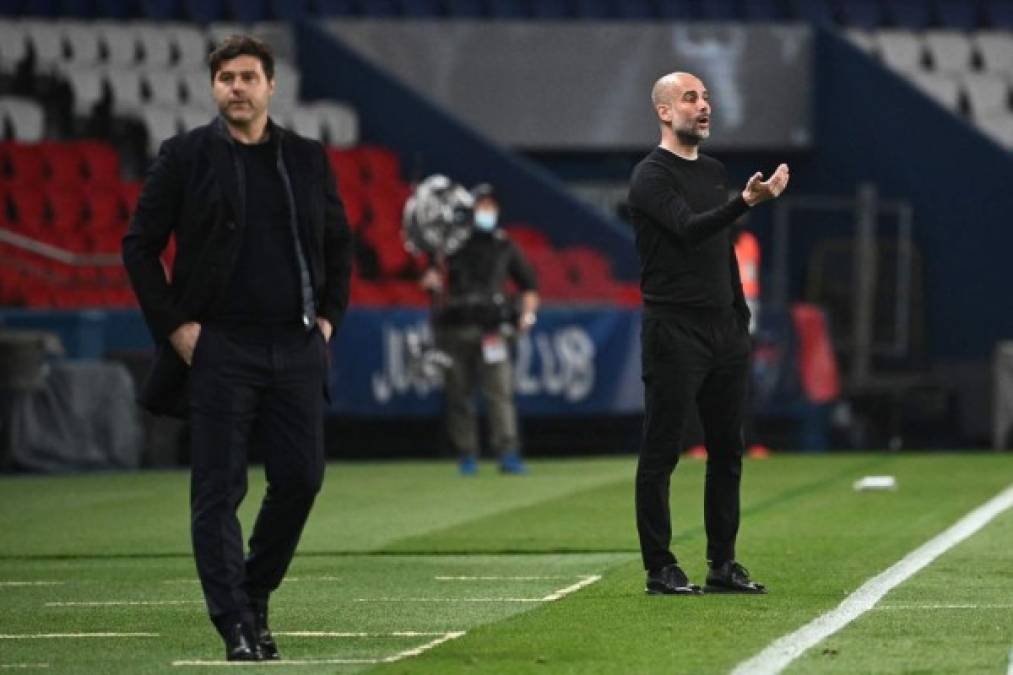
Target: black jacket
[{"x": 195, "y": 191}]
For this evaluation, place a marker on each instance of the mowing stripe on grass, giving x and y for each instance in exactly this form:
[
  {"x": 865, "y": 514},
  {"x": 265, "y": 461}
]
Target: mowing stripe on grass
[
  {"x": 407, "y": 653},
  {"x": 585, "y": 580},
  {"x": 123, "y": 603},
  {"x": 60, "y": 636},
  {"x": 15, "y": 584},
  {"x": 334, "y": 634},
  {"x": 22, "y": 666},
  {"x": 780, "y": 653},
  {"x": 578, "y": 576},
  {"x": 954, "y": 606}
]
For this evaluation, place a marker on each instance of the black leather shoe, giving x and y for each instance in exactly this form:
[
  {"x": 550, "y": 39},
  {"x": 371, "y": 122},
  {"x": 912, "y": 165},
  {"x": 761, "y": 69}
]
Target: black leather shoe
[
  {"x": 268, "y": 647},
  {"x": 670, "y": 580},
  {"x": 731, "y": 577},
  {"x": 240, "y": 644}
]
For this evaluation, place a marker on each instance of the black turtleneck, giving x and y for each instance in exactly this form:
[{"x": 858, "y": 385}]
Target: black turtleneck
[{"x": 681, "y": 214}]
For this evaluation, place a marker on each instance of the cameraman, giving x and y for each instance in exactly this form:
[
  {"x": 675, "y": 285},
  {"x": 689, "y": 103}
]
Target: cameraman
[{"x": 474, "y": 323}]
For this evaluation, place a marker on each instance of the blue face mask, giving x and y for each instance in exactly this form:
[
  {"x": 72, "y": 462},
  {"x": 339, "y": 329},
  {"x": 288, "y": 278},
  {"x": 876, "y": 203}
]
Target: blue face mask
[{"x": 485, "y": 220}]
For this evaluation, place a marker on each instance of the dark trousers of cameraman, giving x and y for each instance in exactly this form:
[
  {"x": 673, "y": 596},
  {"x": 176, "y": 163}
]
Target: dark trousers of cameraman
[
  {"x": 495, "y": 381},
  {"x": 701, "y": 360}
]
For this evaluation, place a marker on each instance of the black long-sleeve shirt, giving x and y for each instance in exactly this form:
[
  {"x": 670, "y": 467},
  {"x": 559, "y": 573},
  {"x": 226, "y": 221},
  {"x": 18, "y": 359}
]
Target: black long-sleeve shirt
[{"x": 681, "y": 214}]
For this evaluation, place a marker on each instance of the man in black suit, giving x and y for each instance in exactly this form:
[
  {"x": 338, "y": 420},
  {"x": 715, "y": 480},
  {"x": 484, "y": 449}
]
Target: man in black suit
[{"x": 258, "y": 286}]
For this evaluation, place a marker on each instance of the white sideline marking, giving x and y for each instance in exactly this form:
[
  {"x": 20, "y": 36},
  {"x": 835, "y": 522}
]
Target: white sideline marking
[
  {"x": 562, "y": 592},
  {"x": 439, "y": 639},
  {"x": 551, "y": 597},
  {"x": 781, "y": 652},
  {"x": 953, "y": 606},
  {"x": 8, "y": 584},
  {"x": 123, "y": 603},
  {"x": 1009, "y": 671},
  {"x": 58, "y": 636}
]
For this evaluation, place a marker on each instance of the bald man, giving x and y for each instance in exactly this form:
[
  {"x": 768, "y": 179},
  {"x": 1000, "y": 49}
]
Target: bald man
[{"x": 695, "y": 332}]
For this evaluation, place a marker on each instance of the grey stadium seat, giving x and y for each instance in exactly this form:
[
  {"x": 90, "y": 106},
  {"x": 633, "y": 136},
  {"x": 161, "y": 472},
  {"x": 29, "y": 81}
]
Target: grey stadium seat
[
  {"x": 13, "y": 45},
  {"x": 83, "y": 40},
  {"x": 950, "y": 50},
  {"x": 191, "y": 117},
  {"x": 996, "y": 49},
  {"x": 125, "y": 87},
  {"x": 87, "y": 85},
  {"x": 46, "y": 40},
  {"x": 987, "y": 94},
  {"x": 305, "y": 121},
  {"x": 164, "y": 87},
  {"x": 25, "y": 117},
  {"x": 191, "y": 45},
  {"x": 862, "y": 39},
  {"x": 160, "y": 124},
  {"x": 1000, "y": 129},
  {"x": 120, "y": 40},
  {"x": 156, "y": 43},
  {"x": 197, "y": 84},
  {"x": 900, "y": 49},
  {"x": 340, "y": 123}
]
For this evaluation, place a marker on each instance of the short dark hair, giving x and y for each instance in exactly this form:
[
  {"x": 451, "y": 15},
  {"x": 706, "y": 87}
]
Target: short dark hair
[{"x": 239, "y": 45}]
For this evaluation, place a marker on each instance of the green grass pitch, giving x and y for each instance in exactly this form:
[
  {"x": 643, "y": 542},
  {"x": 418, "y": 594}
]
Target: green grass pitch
[{"x": 407, "y": 568}]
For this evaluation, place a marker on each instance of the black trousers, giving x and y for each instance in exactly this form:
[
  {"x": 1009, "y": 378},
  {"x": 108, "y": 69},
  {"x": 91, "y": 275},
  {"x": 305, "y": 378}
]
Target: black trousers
[
  {"x": 259, "y": 384},
  {"x": 691, "y": 359}
]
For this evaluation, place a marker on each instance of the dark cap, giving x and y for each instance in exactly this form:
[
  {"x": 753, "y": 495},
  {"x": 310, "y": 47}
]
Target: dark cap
[{"x": 483, "y": 191}]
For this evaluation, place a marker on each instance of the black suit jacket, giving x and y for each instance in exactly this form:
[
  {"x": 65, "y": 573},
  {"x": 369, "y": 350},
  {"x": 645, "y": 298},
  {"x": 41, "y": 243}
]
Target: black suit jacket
[{"x": 195, "y": 191}]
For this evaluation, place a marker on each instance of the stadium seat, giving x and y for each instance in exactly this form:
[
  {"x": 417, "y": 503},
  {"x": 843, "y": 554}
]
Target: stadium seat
[
  {"x": 900, "y": 49},
  {"x": 196, "y": 86},
  {"x": 996, "y": 50},
  {"x": 83, "y": 41},
  {"x": 286, "y": 87},
  {"x": 190, "y": 46},
  {"x": 87, "y": 88},
  {"x": 22, "y": 163},
  {"x": 13, "y": 46},
  {"x": 100, "y": 162},
  {"x": 125, "y": 89},
  {"x": 1000, "y": 129},
  {"x": 940, "y": 87},
  {"x": 25, "y": 117},
  {"x": 28, "y": 205},
  {"x": 63, "y": 163},
  {"x": 45, "y": 40},
  {"x": 191, "y": 117},
  {"x": 347, "y": 169},
  {"x": 159, "y": 124},
  {"x": 378, "y": 164},
  {"x": 305, "y": 122},
  {"x": 163, "y": 87},
  {"x": 156, "y": 45},
  {"x": 219, "y": 30},
  {"x": 66, "y": 207},
  {"x": 958, "y": 14},
  {"x": 120, "y": 40},
  {"x": 949, "y": 50},
  {"x": 339, "y": 122}
]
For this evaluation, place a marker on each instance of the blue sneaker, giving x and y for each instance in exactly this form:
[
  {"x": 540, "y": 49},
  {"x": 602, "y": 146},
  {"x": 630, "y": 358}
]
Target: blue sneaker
[
  {"x": 468, "y": 466},
  {"x": 512, "y": 464}
]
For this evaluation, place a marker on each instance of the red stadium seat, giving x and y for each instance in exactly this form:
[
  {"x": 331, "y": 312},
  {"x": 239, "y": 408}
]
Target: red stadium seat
[
  {"x": 22, "y": 163},
  {"x": 346, "y": 168},
  {"x": 100, "y": 161},
  {"x": 528, "y": 238},
  {"x": 378, "y": 164},
  {"x": 66, "y": 207},
  {"x": 130, "y": 192},
  {"x": 62, "y": 162}
]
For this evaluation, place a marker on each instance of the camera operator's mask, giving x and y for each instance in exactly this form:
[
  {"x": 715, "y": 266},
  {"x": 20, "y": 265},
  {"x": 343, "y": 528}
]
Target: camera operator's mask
[{"x": 486, "y": 219}]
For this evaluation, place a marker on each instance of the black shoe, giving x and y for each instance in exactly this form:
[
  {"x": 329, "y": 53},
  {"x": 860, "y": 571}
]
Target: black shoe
[
  {"x": 268, "y": 647},
  {"x": 240, "y": 644},
  {"x": 731, "y": 577},
  {"x": 670, "y": 580}
]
